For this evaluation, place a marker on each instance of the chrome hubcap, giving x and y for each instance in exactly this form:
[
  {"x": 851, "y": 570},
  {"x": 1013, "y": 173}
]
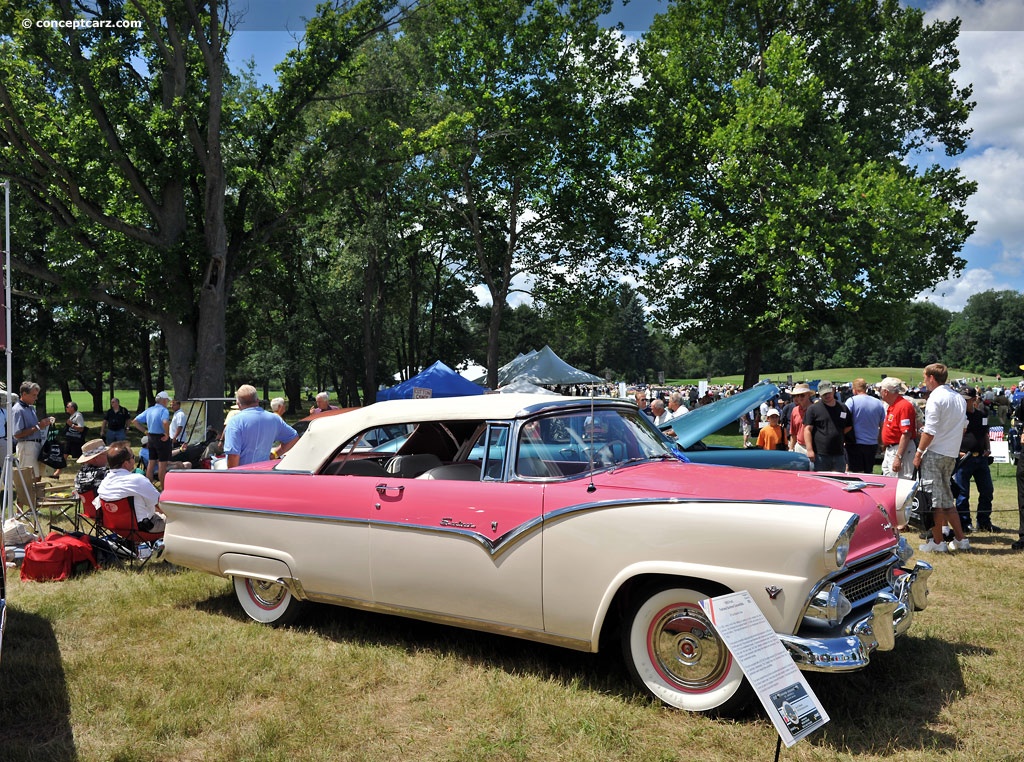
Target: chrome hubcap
[
  {"x": 686, "y": 650},
  {"x": 266, "y": 594}
]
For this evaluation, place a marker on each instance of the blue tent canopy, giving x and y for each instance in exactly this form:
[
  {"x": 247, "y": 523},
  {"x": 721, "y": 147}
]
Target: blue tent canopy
[{"x": 441, "y": 380}]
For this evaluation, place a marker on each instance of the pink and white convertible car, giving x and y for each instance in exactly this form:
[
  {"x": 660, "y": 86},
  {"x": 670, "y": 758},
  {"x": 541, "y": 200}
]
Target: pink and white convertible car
[{"x": 561, "y": 520}]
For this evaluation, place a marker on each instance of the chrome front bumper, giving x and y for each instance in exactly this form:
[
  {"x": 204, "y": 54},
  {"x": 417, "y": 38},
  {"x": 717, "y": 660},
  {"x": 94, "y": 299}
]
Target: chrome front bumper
[{"x": 876, "y": 630}]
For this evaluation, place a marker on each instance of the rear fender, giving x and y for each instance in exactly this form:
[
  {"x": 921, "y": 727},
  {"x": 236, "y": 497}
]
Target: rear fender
[{"x": 260, "y": 568}]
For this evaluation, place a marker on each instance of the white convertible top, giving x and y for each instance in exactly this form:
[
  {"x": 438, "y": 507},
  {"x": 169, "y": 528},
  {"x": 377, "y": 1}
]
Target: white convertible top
[{"x": 326, "y": 434}]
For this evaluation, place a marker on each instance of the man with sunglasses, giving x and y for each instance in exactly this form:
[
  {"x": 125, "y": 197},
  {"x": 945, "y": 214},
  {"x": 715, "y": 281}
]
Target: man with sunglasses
[{"x": 121, "y": 481}]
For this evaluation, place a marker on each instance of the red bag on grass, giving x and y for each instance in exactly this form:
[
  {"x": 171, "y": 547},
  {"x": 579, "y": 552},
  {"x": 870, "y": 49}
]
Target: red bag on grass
[{"x": 58, "y": 557}]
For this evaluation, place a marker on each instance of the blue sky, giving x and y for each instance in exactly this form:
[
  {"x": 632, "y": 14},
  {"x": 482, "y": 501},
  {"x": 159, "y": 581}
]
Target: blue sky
[{"x": 990, "y": 43}]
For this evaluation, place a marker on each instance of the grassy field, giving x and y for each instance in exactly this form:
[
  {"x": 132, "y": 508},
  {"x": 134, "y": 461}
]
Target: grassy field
[
  {"x": 163, "y": 665},
  {"x": 912, "y": 376}
]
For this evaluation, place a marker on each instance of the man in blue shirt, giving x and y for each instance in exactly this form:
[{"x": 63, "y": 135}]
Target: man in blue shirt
[
  {"x": 868, "y": 415},
  {"x": 155, "y": 423},
  {"x": 251, "y": 432},
  {"x": 29, "y": 431}
]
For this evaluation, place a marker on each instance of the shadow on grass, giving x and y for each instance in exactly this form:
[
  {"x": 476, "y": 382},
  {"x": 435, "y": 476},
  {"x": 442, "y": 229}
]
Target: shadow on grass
[
  {"x": 890, "y": 706},
  {"x": 602, "y": 672},
  {"x": 899, "y": 697},
  {"x": 35, "y": 710}
]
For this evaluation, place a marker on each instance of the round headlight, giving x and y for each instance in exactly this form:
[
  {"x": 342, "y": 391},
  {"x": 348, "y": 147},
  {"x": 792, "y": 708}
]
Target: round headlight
[
  {"x": 840, "y": 549},
  {"x": 905, "y": 491}
]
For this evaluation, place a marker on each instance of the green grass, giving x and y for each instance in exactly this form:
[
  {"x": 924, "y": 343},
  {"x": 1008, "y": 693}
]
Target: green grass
[
  {"x": 157, "y": 665},
  {"x": 163, "y": 665}
]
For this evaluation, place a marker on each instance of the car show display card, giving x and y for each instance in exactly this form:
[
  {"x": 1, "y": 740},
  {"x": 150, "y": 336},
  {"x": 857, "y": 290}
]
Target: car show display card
[{"x": 782, "y": 689}]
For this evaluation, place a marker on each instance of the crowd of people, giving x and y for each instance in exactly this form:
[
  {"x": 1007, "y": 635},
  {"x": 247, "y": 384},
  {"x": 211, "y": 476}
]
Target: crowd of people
[
  {"x": 110, "y": 468},
  {"x": 937, "y": 432}
]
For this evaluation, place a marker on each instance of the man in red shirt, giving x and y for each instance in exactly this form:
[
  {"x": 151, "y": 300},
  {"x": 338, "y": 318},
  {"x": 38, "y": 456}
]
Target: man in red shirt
[
  {"x": 899, "y": 429},
  {"x": 801, "y": 394}
]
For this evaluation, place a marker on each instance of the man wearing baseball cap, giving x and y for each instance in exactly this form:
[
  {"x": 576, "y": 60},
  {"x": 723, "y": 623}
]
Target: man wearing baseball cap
[
  {"x": 973, "y": 464},
  {"x": 826, "y": 424},
  {"x": 155, "y": 423},
  {"x": 899, "y": 429}
]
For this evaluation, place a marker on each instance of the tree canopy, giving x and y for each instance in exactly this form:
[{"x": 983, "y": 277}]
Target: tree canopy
[
  {"x": 750, "y": 171},
  {"x": 781, "y": 146}
]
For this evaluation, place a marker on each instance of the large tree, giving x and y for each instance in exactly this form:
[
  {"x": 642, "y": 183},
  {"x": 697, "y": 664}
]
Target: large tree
[
  {"x": 986, "y": 336},
  {"x": 522, "y": 156},
  {"x": 153, "y": 167},
  {"x": 785, "y": 162}
]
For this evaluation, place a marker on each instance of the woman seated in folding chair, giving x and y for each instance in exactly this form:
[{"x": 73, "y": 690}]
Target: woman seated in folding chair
[
  {"x": 121, "y": 482},
  {"x": 94, "y": 466}
]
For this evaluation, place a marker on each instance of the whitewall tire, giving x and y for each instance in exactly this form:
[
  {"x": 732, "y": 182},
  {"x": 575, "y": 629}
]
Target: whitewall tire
[
  {"x": 675, "y": 655},
  {"x": 266, "y": 602}
]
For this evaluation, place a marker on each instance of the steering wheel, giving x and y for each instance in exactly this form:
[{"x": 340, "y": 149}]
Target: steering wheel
[
  {"x": 611, "y": 453},
  {"x": 577, "y": 442}
]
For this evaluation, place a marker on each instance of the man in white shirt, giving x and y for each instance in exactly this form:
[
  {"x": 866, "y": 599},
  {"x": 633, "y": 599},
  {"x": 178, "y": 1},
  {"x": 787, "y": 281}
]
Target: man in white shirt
[
  {"x": 179, "y": 437},
  {"x": 658, "y": 412},
  {"x": 676, "y": 407},
  {"x": 121, "y": 481},
  {"x": 945, "y": 418}
]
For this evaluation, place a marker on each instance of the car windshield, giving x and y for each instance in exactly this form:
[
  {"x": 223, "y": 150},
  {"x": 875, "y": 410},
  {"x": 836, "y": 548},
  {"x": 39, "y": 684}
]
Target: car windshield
[{"x": 567, "y": 444}]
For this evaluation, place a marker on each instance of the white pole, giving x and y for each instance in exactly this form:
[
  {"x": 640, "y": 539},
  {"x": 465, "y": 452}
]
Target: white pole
[{"x": 8, "y": 504}]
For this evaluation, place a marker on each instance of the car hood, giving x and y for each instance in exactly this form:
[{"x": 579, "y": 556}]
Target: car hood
[
  {"x": 875, "y": 532},
  {"x": 699, "y": 423}
]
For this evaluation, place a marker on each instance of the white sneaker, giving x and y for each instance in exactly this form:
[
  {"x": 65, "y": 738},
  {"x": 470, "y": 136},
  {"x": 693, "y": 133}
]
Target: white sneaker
[
  {"x": 963, "y": 544},
  {"x": 933, "y": 547}
]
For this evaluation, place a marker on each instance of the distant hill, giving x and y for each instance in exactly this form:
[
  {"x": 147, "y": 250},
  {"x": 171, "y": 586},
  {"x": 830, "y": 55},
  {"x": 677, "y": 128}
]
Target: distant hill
[{"x": 912, "y": 376}]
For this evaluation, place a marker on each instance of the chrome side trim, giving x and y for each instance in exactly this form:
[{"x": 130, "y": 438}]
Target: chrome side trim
[
  {"x": 271, "y": 514},
  {"x": 497, "y": 545}
]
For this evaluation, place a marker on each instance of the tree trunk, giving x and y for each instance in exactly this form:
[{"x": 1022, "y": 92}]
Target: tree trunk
[
  {"x": 146, "y": 394},
  {"x": 752, "y": 365},
  {"x": 97, "y": 394},
  {"x": 372, "y": 294},
  {"x": 493, "y": 331},
  {"x": 293, "y": 391}
]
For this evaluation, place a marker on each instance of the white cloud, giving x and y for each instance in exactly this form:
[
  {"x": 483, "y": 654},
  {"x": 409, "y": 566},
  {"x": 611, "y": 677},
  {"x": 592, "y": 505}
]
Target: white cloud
[
  {"x": 521, "y": 286},
  {"x": 953, "y": 294},
  {"x": 991, "y": 37},
  {"x": 990, "y": 62},
  {"x": 998, "y": 204},
  {"x": 984, "y": 16},
  {"x": 1010, "y": 265}
]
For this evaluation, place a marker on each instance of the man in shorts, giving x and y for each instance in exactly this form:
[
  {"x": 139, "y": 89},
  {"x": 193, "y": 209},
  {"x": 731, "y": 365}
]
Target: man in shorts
[
  {"x": 29, "y": 431},
  {"x": 945, "y": 417},
  {"x": 155, "y": 423}
]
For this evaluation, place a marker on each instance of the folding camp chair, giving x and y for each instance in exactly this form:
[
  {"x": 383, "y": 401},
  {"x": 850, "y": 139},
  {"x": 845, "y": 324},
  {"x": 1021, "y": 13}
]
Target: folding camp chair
[
  {"x": 118, "y": 516},
  {"x": 88, "y": 515},
  {"x": 33, "y": 498}
]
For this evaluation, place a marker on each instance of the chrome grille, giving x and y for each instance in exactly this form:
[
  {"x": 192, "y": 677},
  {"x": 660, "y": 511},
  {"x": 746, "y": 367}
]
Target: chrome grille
[{"x": 859, "y": 586}]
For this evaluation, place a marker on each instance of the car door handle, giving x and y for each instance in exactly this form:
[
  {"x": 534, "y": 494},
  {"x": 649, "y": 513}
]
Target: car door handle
[{"x": 383, "y": 488}]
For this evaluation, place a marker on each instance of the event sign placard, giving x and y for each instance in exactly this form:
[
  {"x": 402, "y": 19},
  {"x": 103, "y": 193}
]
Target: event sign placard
[{"x": 778, "y": 683}]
